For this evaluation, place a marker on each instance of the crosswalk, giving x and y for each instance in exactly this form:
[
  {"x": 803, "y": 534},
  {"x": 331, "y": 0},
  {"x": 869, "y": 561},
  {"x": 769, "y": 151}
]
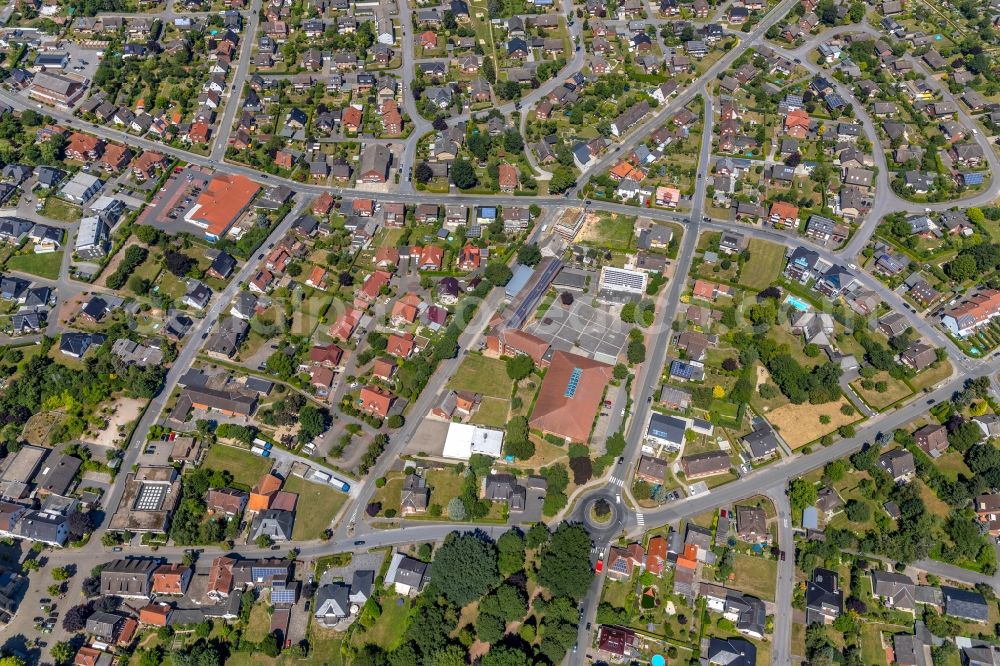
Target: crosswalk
[
  {"x": 640, "y": 519},
  {"x": 616, "y": 481}
]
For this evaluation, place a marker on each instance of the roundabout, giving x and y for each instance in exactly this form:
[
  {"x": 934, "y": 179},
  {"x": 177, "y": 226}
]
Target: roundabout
[{"x": 602, "y": 515}]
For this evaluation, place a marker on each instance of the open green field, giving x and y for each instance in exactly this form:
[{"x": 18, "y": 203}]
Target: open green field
[
  {"x": 609, "y": 230},
  {"x": 480, "y": 374},
  {"x": 60, "y": 210},
  {"x": 45, "y": 265},
  {"x": 764, "y": 266},
  {"x": 317, "y": 506},
  {"x": 245, "y": 467},
  {"x": 755, "y": 575}
]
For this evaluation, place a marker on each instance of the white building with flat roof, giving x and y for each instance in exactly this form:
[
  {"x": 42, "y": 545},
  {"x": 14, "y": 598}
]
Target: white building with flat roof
[
  {"x": 623, "y": 280},
  {"x": 464, "y": 439}
]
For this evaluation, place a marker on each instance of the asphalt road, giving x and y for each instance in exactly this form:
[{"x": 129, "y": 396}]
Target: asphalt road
[{"x": 234, "y": 101}]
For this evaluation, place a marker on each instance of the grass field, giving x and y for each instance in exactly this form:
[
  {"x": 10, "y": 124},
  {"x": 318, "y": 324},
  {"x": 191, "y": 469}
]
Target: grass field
[
  {"x": 321, "y": 504},
  {"x": 799, "y": 424},
  {"x": 872, "y": 651},
  {"x": 325, "y": 651},
  {"x": 63, "y": 211},
  {"x": 951, "y": 464},
  {"x": 609, "y": 230},
  {"x": 492, "y": 412},
  {"x": 764, "y": 266},
  {"x": 755, "y": 575},
  {"x": 895, "y": 390},
  {"x": 260, "y": 621},
  {"x": 388, "y": 629},
  {"x": 45, "y": 265},
  {"x": 932, "y": 376},
  {"x": 480, "y": 374},
  {"x": 245, "y": 467}
]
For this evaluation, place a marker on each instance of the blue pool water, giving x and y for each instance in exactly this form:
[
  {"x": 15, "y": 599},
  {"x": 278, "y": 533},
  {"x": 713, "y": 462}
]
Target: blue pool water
[
  {"x": 797, "y": 303},
  {"x": 658, "y": 660}
]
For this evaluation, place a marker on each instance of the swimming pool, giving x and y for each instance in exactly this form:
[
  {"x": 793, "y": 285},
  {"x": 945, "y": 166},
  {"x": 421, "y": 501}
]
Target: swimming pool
[
  {"x": 797, "y": 303},
  {"x": 658, "y": 660}
]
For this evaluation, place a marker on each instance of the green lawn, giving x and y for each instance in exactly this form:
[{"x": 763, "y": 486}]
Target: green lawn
[
  {"x": 316, "y": 508},
  {"x": 388, "y": 629},
  {"x": 492, "y": 412},
  {"x": 171, "y": 285},
  {"x": 764, "y": 266},
  {"x": 612, "y": 231},
  {"x": 951, "y": 464},
  {"x": 245, "y": 467},
  {"x": 755, "y": 575},
  {"x": 872, "y": 652},
  {"x": 45, "y": 265},
  {"x": 480, "y": 374},
  {"x": 58, "y": 209}
]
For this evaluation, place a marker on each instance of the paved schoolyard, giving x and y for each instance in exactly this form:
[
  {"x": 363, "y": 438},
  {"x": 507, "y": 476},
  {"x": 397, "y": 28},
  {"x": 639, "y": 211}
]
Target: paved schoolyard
[{"x": 582, "y": 328}]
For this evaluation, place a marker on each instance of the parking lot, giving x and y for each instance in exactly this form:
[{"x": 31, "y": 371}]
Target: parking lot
[
  {"x": 584, "y": 329},
  {"x": 167, "y": 210}
]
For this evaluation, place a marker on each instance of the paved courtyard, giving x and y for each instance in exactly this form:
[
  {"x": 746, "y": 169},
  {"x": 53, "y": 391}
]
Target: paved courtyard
[{"x": 582, "y": 328}]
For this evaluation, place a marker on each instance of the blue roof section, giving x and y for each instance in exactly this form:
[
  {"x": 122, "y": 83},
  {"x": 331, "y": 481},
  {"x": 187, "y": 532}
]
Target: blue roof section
[
  {"x": 974, "y": 178},
  {"x": 810, "y": 518},
  {"x": 518, "y": 281}
]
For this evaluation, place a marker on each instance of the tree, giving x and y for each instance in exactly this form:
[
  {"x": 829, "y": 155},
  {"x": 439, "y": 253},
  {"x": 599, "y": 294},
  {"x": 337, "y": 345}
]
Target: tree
[
  {"x": 962, "y": 267},
  {"x": 281, "y": 364},
  {"x": 620, "y": 371},
  {"x": 529, "y": 255},
  {"x": 519, "y": 366},
  {"x": 465, "y": 567},
  {"x": 489, "y": 628},
  {"x": 177, "y": 263},
  {"x": 503, "y": 655},
  {"x": 508, "y": 603},
  {"x": 423, "y": 173},
  {"x": 313, "y": 422},
  {"x": 636, "y": 351},
  {"x": 262, "y": 541},
  {"x": 76, "y": 617},
  {"x": 582, "y": 468},
  {"x": 564, "y": 567},
  {"x": 858, "y": 511},
  {"x": 562, "y": 179},
  {"x": 456, "y": 509},
  {"x": 139, "y": 285},
  {"x": 801, "y": 493},
  {"x": 510, "y": 547},
  {"x": 538, "y": 535},
  {"x": 463, "y": 175},
  {"x": 497, "y": 273},
  {"x": 62, "y": 652}
]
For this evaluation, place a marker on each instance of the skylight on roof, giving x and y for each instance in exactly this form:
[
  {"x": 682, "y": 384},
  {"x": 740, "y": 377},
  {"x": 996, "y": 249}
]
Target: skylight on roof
[{"x": 574, "y": 381}]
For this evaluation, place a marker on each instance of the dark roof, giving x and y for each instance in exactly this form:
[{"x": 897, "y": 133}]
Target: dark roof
[{"x": 966, "y": 604}]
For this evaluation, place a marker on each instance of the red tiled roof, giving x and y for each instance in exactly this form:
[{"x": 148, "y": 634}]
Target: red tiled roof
[
  {"x": 570, "y": 396},
  {"x": 225, "y": 198}
]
